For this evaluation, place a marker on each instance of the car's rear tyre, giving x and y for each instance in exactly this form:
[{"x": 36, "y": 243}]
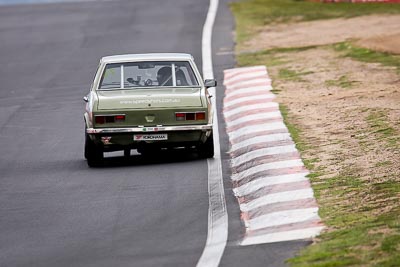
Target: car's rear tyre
[
  {"x": 206, "y": 150},
  {"x": 93, "y": 153}
]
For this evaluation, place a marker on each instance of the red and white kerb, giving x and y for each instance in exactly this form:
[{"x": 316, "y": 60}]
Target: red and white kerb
[{"x": 270, "y": 181}]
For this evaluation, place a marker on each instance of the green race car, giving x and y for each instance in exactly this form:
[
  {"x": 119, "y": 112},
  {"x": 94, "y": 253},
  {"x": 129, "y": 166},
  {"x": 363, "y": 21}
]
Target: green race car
[{"x": 147, "y": 102}]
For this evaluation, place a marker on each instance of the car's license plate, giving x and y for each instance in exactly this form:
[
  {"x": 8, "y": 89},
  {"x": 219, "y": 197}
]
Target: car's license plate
[{"x": 150, "y": 137}]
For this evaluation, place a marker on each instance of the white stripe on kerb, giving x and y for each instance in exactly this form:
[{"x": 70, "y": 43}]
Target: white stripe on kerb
[
  {"x": 266, "y": 97},
  {"x": 217, "y": 233},
  {"x": 283, "y": 217},
  {"x": 261, "y": 139},
  {"x": 266, "y": 167},
  {"x": 253, "y": 129},
  {"x": 265, "y": 181},
  {"x": 277, "y": 198},
  {"x": 300, "y": 234},
  {"x": 246, "y": 83},
  {"x": 248, "y": 90},
  {"x": 252, "y": 155},
  {"x": 251, "y": 75},
  {"x": 240, "y": 109},
  {"x": 237, "y": 71},
  {"x": 259, "y": 116}
]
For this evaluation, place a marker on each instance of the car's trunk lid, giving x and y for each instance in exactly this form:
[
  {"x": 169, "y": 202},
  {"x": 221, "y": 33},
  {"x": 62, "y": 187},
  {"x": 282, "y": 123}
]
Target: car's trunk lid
[{"x": 149, "y": 98}]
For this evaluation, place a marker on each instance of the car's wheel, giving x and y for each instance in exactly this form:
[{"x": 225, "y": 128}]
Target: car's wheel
[
  {"x": 93, "y": 153},
  {"x": 87, "y": 146},
  {"x": 206, "y": 150}
]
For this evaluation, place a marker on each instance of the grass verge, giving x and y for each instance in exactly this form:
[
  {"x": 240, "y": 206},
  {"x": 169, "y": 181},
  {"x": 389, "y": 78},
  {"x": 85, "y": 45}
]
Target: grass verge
[
  {"x": 362, "y": 215},
  {"x": 252, "y": 14},
  {"x": 366, "y": 55},
  {"x": 342, "y": 82}
]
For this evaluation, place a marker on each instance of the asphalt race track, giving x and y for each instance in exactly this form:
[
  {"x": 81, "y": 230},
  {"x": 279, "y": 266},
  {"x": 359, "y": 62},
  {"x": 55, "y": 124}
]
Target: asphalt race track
[{"x": 54, "y": 210}]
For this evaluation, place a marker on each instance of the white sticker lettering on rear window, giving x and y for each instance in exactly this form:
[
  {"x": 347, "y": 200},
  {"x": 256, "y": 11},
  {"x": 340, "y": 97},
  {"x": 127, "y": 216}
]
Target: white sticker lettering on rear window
[{"x": 151, "y": 101}]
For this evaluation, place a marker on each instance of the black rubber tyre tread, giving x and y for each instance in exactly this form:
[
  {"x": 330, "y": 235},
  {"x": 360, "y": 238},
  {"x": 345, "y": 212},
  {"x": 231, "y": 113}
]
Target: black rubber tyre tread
[
  {"x": 206, "y": 150},
  {"x": 93, "y": 153},
  {"x": 86, "y": 151}
]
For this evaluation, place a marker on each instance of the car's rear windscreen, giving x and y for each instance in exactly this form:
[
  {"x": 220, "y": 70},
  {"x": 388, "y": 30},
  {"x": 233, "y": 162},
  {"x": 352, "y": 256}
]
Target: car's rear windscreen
[{"x": 148, "y": 74}]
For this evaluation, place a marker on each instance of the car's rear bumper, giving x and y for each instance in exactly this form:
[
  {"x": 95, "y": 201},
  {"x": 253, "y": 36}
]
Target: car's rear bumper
[{"x": 203, "y": 128}]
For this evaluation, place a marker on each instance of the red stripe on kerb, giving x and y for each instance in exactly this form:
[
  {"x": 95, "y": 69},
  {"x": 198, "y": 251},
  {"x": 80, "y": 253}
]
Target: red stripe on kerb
[
  {"x": 265, "y": 159},
  {"x": 250, "y": 112},
  {"x": 286, "y": 227},
  {"x": 252, "y": 122},
  {"x": 245, "y": 103},
  {"x": 278, "y": 188},
  {"x": 274, "y": 172},
  {"x": 253, "y": 147},
  {"x": 244, "y": 216},
  {"x": 257, "y": 93},
  {"x": 230, "y": 82},
  {"x": 282, "y": 206},
  {"x": 251, "y": 135}
]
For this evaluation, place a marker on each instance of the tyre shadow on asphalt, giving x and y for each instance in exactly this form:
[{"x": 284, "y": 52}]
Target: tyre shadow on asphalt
[{"x": 161, "y": 157}]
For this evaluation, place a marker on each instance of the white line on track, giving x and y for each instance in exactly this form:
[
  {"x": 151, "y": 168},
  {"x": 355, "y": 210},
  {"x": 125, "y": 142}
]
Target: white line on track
[
  {"x": 261, "y": 139},
  {"x": 240, "y": 109},
  {"x": 283, "y": 236},
  {"x": 217, "y": 233},
  {"x": 262, "y": 182},
  {"x": 277, "y": 198}
]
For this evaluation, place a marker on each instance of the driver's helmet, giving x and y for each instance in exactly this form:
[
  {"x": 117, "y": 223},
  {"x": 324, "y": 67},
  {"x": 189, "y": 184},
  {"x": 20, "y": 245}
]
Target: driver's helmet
[{"x": 164, "y": 76}]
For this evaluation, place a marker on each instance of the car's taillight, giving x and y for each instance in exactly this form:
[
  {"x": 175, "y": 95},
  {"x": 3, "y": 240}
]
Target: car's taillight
[
  {"x": 101, "y": 119},
  {"x": 190, "y": 116},
  {"x": 119, "y": 118},
  {"x": 180, "y": 116},
  {"x": 200, "y": 116}
]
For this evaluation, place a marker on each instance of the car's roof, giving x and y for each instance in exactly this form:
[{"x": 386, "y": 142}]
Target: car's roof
[{"x": 146, "y": 57}]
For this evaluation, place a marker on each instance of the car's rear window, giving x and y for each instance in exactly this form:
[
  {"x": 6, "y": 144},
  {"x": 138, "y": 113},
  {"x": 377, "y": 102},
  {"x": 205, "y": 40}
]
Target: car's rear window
[{"x": 147, "y": 74}]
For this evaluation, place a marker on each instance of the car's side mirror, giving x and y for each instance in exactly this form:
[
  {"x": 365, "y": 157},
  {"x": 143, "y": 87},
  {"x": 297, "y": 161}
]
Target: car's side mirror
[
  {"x": 210, "y": 83},
  {"x": 86, "y": 99}
]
